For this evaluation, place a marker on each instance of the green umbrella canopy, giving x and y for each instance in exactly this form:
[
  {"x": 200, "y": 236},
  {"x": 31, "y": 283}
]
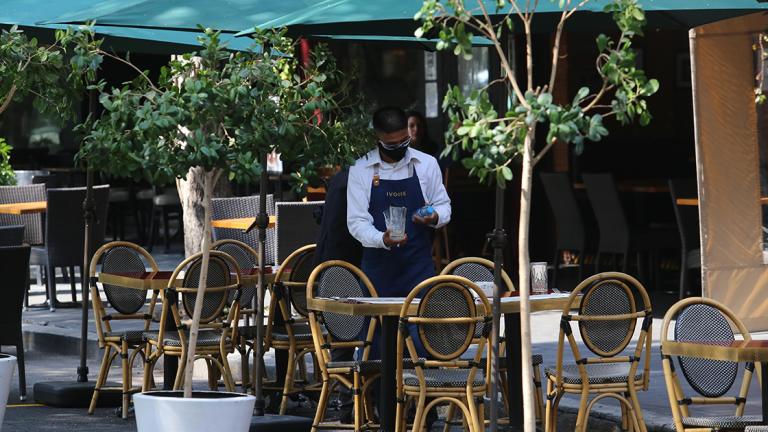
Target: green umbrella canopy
[
  {"x": 28, "y": 14},
  {"x": 393, "y": 17}
]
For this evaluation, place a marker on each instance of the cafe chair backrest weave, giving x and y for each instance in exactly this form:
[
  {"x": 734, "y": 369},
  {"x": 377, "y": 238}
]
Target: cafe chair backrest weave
[
  {"x": 610, "y": 297},
  {"x": 342, "y": 281},
  {"x": 244, "y": 207},
  {"x": 123, "y": 259},
  {"x": 300, "y": 265},
  {"x": 219, "y": 275},
  {"x": 247, "y": 259}
]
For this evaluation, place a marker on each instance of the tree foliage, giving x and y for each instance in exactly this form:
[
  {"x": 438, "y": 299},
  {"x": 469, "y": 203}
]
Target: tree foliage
[
  {"x": 55, "y": 74},
  {"x": 494, "y": 138},
  {"x": 221, "y": 110}
]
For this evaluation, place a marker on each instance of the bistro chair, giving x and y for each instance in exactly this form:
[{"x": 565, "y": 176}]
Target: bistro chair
[
  {"x": 480, "y": 270},
  {"x": 706, "y": 320},
  {"x": 446, "y": 319},
  {"x": 32, "y": 222},
  {"x": 336, "y": 331},
  {"x": 688, "y": 225},
  {"x": 14, "y": 265},
  {"x": 245, "y": 207},
  {"x": 126, "y": 304},
  {"x": 287, "y": 327},
  {"x": 568, "y": 221},
  {"x": 64, "y": 232},
  {"x": 611, "y": 305},
  {"x": 296, "y": 226},
  {"x": 166, "y": 205},
  {"x": 756, "y": 429},
  {"x": 247, "y": 260},
  {"x": 218, "y": 328}
]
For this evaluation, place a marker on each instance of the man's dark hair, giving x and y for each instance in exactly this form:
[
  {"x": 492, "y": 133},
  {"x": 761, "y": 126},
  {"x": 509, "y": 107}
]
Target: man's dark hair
[{"x": 389, "y": 119}]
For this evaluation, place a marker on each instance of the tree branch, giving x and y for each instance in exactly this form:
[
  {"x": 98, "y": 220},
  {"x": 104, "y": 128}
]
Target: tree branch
[
  {"x": 8, "y": 99},
  {"x": 132, "y": 66}
]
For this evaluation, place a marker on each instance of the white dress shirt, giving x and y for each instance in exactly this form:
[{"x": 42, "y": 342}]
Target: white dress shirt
[{"x": 360, "y": 221}]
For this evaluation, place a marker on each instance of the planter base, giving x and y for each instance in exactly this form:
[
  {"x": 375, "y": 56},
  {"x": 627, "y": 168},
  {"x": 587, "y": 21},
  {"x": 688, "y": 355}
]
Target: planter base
[
  {"x": 203, "y": 412},
  {"x": 73, "y": 394},
  {"x": 277, "y": 423}
]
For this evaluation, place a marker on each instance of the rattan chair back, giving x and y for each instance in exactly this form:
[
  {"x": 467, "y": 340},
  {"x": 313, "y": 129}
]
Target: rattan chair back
[
  {"x": 701, "y": 319},
  {"x": 33, "y": 233},
  {"x": 120, "y": 257},
  {"x": 247, "y": 259},
  {"x": 223, "y": 277},
  {"x": 343, "y": 280},
  {"x": 611, "y": 218},
  {"x": 292, "y": 276},
  {"x": 612, "y": 304},
  {"x": 244, "y": 207}
]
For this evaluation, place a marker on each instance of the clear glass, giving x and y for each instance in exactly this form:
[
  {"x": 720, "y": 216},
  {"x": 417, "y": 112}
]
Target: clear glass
[
  {"x": 539, "y": 284},
  {"x": 394, "y": 219}
]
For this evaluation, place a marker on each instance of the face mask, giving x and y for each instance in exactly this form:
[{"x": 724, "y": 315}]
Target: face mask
[{"x": 394, "y": 154}]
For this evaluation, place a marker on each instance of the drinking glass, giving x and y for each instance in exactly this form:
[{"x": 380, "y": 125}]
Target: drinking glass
[
  {"x": 394, "y": 218},
  {"x": 539, "y": 278}
]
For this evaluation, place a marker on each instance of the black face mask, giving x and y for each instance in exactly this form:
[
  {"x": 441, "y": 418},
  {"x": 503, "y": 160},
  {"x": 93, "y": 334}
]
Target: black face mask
[{"x": 394, "y": 154}]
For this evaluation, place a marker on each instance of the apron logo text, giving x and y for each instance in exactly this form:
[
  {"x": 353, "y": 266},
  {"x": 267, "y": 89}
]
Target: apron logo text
[{"x": 396, "y": 194}]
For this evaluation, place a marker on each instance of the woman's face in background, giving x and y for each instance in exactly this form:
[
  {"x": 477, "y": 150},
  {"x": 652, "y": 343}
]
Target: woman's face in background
[{"x": 414, "y": 127}]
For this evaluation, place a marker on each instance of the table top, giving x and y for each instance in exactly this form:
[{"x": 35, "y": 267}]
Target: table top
[
  {"x": 157, "y": 280},
  {"x": 390, "y": 306},
  {"x": 240, "y": 223},
  {"x": 736, "y": 351},
  {"x": 695, "y": 201},
  {"x": 24, "y": 207}
]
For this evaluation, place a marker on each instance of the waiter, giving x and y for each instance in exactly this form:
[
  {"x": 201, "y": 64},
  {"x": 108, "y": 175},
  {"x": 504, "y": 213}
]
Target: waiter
[{"x": 395, "y": 175}]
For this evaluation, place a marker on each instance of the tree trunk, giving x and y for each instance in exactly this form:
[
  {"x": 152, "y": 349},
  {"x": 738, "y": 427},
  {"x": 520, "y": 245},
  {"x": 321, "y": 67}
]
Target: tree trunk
[
  {"x": 526, "y": 182},
  {"x": 191, "y": 193},
  {"x": 208, "y": 182}
]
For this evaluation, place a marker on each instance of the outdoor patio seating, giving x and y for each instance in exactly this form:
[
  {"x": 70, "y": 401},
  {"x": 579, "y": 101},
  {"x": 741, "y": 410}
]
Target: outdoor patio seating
[
  {"x": 64, "y": 233},
  {"x": 14, "y": 265},
  {"x": 480, "y": 270},
  {"x": 33, "y": 233},
  {"x": 332, "y": 331},
  {"x": 688, "y": 225},
  {"x": 245, "y": 207},
  {"x": 287, "y": 326},
  {"x": 446, "y": 320},
  {"x": 611, "y": 306},
  {"x": 126, "y": 304},
  {"x": 569, "y": 225},
  {"x": 296, "y": 226},
  {"x": 247, "y": 259},
  {"x": 218, "y": 328},
  {"x": 166, "y": 205},
  {"x": 705, "y": 320}
]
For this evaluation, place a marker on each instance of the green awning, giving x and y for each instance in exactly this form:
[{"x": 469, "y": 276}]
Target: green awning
[
  {"x": 29, "y": 14},
  {"x": 427, "y": 43}
]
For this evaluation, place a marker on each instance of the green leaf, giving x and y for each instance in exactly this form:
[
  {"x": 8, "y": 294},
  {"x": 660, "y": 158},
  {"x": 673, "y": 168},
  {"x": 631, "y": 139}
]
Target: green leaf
[{"x": 506, "y": 173}]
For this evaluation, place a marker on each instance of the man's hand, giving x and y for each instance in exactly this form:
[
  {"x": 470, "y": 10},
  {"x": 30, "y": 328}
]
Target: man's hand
[
  {"x": 430, "y": 220},
  {"x": 389, "y": 242}
]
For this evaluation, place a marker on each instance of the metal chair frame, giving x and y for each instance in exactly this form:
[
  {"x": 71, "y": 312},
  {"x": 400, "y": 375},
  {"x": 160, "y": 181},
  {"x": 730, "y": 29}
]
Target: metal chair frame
[
  {"x": 296, "y": 348},
  {"x": 488, "y": 264},
  {"x": 353, "y": 376},
  {"x": 114, "y": 344},
  {"x": 557, "y": 386},
  {"x": 225, "y": 325},
  {"x": 469, "y": 398},
  {"x": 679, "y": 402}
]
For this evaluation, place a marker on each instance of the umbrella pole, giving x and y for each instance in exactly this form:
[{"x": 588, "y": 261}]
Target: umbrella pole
[
  {"x": 89, "y": 217},
  {"x": 262, "y": 221},
  {"x": 498, "y": 239}
]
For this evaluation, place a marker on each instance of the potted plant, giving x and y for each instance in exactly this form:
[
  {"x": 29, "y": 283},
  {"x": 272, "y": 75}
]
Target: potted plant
[
  {"x": 497, "y": 141},
  {"x": 211, "y": 113}
]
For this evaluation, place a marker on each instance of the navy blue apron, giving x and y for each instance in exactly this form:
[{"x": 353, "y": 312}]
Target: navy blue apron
[{"x": 395, "y": 272}]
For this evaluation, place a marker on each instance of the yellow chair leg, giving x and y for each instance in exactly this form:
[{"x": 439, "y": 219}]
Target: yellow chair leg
[
  {"x": 126, "y": 377},
  {"x": 103, "y": 372},
  {"x": 288, "y": 385}
]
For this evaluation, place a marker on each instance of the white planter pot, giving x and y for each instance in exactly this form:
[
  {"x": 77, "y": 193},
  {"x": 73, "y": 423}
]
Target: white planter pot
[
  {"x": 204, "y": 412},
  {"x": 7, "y": 365}
]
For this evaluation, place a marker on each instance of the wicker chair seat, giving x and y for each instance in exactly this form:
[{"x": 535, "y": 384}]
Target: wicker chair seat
[
  {"x": 453, "y": 378},
  {"x": 364, "y": 367},
  {"x": 723, "y": 422},
  {"x": 204, "y": 338},
  {"x": 598, "y": 373},
  {"x": 756, "y": 429},
  {"x": 131, "y": 336},
  {"x": 536, "y": 360},
  {"x": 301, "y": 332}
]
